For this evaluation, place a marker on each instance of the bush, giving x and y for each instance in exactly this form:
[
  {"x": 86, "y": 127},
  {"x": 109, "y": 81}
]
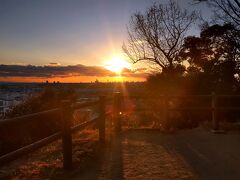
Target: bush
[{"x": 14, "y": 137}]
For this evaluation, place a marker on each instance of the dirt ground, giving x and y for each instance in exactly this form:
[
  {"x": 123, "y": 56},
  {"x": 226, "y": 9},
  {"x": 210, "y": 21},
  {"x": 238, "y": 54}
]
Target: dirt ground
[
  {"x": 149, "y": 154},
  {"x": 189, "y": 154}
]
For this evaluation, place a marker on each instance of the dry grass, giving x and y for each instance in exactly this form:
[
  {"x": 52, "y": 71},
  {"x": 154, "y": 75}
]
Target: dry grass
[{"x": 46, "y": 163}]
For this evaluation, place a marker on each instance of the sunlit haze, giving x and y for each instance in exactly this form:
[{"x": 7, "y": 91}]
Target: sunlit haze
[
  {"x": 66, "y": 33},
  {"x": 117, "y": 64}
]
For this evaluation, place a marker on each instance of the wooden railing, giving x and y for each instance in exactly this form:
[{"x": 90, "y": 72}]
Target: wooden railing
[
  {"x": 23, "y": 120},
  {"x": 213, "y": 107},
  {"x": 67, "y": 109}
]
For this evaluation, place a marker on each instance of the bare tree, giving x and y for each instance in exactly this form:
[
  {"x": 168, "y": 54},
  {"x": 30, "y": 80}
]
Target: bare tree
[
  {"x": 226, "y": 10},
  {"x": 157, "y": 35}
]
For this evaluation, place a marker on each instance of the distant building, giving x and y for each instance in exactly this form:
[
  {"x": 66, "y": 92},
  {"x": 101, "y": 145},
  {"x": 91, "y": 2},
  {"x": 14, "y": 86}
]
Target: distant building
[
  {"x": 12, "y": 94},
  {"x": 11, "y": 99},
  {"x": 6, "y": 105}
]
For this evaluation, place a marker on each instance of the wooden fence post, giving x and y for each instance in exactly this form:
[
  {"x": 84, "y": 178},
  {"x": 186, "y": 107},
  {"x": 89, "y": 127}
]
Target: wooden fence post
[
  {"x": 66, "y": 135},
  {"x": 165, "y": 109},
  {"x": 117, "y": 112},
  {"x": 102, "y": 117},
  {"x": 214, "y": 113}
]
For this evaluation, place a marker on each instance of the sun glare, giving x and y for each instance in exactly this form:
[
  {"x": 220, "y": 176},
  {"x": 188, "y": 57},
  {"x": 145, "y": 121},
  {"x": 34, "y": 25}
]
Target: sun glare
[{"x": 117, "y": 64}]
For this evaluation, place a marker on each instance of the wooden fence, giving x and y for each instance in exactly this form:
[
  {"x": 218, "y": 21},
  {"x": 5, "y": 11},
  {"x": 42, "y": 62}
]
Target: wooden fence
[
  {"x": 213, "y": 107},
  {"x": 67, "y": 109}
]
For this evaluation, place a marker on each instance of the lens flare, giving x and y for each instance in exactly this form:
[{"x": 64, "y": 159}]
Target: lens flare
[{"x": 117, "y": 64}]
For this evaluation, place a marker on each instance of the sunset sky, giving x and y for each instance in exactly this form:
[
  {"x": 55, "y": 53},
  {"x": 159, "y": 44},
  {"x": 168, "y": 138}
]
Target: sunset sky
[{"x": 80, "y": 37}]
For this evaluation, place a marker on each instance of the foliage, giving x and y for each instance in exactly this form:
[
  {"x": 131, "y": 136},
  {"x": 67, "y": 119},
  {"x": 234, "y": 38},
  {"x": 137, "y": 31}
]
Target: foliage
[
  {"x": 212, "y": 65},
  {"x": 159, "y": 84},
  {"x": 214, "y": 56},
  {"x": 18, "y": 136},
  {"x": 156, "y": 36},
  {"x": 187, "y": 65},
  {"x": 48, "y": 99}
]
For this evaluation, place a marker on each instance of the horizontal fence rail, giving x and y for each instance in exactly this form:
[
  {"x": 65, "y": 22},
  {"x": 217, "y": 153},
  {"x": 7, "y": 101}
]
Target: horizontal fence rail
[
  {"x": 28, "y": 118},
  {"x": 84, "y": 124},
  {"x": 192, "y": 109},
  {"x": 180, "y": 96},
  {"x": 41, "y": 143},
  {"x": 79, "y": 105},
  {"x": 29, "y": 148},
  {"x": 213, "y": 107},
  {"x": 65, "y": 111},
  {"x": 67, "y": 108}
]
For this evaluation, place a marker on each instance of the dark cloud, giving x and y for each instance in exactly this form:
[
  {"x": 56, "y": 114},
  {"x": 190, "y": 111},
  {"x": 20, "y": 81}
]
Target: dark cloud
[
  {"x": 53, "y": 64},
  {"x": 52, "y": 71},
  {"x": 55, "y": 70}
]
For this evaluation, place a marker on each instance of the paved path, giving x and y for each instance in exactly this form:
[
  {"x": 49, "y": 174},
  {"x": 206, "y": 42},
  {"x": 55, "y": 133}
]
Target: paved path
[{"x": 190, "y": 154}]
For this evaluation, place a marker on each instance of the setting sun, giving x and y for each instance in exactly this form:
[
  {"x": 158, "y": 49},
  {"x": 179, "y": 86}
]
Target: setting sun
[{"x": 117, "y": 64}]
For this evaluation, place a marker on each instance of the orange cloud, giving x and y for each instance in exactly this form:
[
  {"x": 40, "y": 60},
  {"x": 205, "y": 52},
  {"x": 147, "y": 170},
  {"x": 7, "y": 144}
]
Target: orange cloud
[{"x": 74, "y": 73}]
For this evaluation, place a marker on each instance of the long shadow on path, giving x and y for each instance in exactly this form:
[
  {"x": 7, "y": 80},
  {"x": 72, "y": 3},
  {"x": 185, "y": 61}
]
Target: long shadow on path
[
  {"x": 106, "y": 163},
  {"x": 190, "y": 154}
]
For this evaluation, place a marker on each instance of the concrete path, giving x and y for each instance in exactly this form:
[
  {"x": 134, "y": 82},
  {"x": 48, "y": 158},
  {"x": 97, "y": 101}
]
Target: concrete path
[{"x": 190, "y": 154}]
